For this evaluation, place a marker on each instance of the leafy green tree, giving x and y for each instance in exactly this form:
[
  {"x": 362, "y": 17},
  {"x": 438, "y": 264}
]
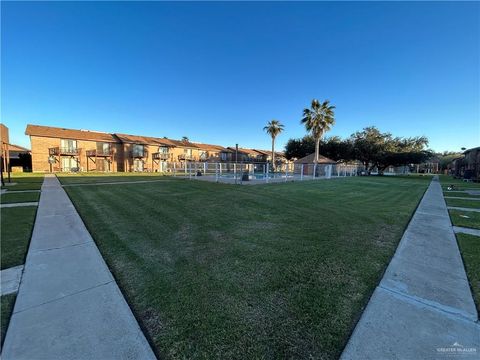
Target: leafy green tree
[
  {"x": 273, "y": 128},
  {"x": 299, "y": 148},
  {"x": 318, "y": 119}
]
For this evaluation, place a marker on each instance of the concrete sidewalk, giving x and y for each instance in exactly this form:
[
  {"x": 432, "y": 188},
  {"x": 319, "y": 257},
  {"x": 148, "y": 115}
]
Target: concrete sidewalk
[
  {"x": 10, "y": 205},
  {"x": 423, "y": 307},
  {"x": 68, "y": 305}
]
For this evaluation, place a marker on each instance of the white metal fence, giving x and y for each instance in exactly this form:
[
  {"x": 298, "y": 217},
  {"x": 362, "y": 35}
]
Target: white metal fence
[{"x": 257, "y": 172}]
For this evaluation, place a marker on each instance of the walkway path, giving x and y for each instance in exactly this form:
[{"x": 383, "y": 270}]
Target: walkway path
[
  {"x": 462, "y": 208},
  {"x": 33, "y": 203},
  {"x": 465, "y": 230},
  {"x": 10, "y": 279},
  {"x": 68, "y": 305},
  {"x": 462, "y": 198},
  {"x": 423, "y": 305}
]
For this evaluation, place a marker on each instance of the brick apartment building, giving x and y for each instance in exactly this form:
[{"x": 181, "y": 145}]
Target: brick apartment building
[{"x": 58, "y": 149}]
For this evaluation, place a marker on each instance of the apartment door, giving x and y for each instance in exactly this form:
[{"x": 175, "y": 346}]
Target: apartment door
[
  {"x": 103, "y": 165},
  {"x": 137, "y": 165},
  {"x": 68, "y": 163}
]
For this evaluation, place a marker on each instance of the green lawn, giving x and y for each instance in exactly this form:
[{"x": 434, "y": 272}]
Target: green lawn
[
  {"x": 7, "y": 302},
  {"x": 24, "y": 181},
  {"x": 470, "y": 248},
  {"x": 460, "y": 194},
  {"x": 469, "y": 219},
  {"x": 17, "y": 225},
  {"x": 269, "y": 271},
  {"x": 96, "y": 177},
  {"x": 459, "y": 184},
  {"x": 19, "y": 197},
  {"x": 463, "y": 203}
]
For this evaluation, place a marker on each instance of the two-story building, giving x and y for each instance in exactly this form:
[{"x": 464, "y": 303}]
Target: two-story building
[{"x": 59, "y": 149}]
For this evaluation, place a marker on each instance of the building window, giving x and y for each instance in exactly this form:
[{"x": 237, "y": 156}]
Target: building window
[
  {"x": 68, "y": 145},
  {"x": 163, "y": 150},
  {"x": 138, "y": 150},
  {"x": 103, "y": 148}
]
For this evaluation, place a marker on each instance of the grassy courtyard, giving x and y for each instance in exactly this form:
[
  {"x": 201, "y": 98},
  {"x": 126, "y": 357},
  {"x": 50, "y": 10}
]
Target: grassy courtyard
[
  {"x": 17, "y": 225},
  {"x": 92, "y": 177},
  {"x": 24, "y": 181},
  {"x": 469, "y": 244},
  {"x": 6, "y": 302},
  {"x": 269, "y": 271},
  {"x": 470, "y": 248},
  {"x": 19, "y": 197},
  {"x": 468, "y": 219}
]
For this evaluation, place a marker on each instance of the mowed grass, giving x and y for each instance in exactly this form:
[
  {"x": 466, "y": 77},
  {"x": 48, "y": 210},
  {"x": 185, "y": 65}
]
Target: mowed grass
[
  {"x": 19, "y": 197},
  {"x": 459, "y": 184},
  {"x": 97, "y": 177},
  {"x": 16, "y": 229},
  {"x": 468, "y": 219},
  {"x": 24, "y": 181},
  {"x": 215, "y": 271},
  {"x": 466, "y": 203},
  {"x": 460, "y": 194},
  {"x": 6, "y": 303},
  {"x": 470, "y": 248}
]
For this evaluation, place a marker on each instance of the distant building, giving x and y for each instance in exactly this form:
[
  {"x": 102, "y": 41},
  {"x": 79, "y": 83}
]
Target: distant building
[
  {"x": 467, "y": 166},
  {"x": 59, "y": 149},
  {"x": 20, "y": 158},
  {"x": 308, "y": 160},
  {"x": 5, "y": 153},
  {"x": 472, "y": 164}
]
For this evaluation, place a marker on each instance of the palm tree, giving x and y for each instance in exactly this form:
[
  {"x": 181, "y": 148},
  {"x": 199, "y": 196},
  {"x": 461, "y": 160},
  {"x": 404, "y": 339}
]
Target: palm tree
[
  {"x": 318, "y": 120},
  {"x": 185, "y": 139},
  {"x": 273, "y": 128}
]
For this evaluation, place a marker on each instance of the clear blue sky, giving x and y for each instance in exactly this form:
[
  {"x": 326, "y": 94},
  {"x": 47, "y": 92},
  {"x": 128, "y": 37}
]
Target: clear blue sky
[{"x": 217, "y": 72}]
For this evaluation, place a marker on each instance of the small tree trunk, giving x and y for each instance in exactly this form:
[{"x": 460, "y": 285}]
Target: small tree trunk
[
  {"x": 273, "y": 153},
  {"x": 317, "y": 149}
]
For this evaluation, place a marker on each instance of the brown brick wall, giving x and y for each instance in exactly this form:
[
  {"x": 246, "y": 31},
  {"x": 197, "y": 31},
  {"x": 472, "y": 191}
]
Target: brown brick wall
[{"x": 40, "y": 154}]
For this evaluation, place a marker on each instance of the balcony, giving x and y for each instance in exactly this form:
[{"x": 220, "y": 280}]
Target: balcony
[
  {"x": 138, "y": 154},
  {"x": 160, "y": 156},
  {"x": 64, "y": 151},
  {"x": 99, "y": 153},
  {"x": 185, "y": 157}
]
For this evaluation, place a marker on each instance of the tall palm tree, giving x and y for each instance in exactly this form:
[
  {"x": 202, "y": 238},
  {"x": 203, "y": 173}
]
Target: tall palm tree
[
  {"x": 318, "y": 120},
  {"x": 273, "y": 128}
]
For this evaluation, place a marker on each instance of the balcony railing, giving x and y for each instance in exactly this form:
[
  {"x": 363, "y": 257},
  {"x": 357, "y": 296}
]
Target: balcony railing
[
  {"x": 138, "y": 154},
  {"x": 161, "y": 156},
  {"x": 99, "y": 152},
  {"x": 63, "y": 151},
  {"x": 185, "y": 157}
]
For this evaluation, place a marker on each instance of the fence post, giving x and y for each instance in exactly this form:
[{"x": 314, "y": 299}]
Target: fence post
[
  {"x": 204, "y": 168},
  {"x": 235, "y": 172},
  {"x": 301, "y": 173},
  {"x": 314, "y": 169},
  {"x": 286, "y": 173},
  {"x": 216, "y": 172},
  {"x": 174, "y": 169},
  {"x": 267, "y": 168},
  {"x": 190, "y": 168}
]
